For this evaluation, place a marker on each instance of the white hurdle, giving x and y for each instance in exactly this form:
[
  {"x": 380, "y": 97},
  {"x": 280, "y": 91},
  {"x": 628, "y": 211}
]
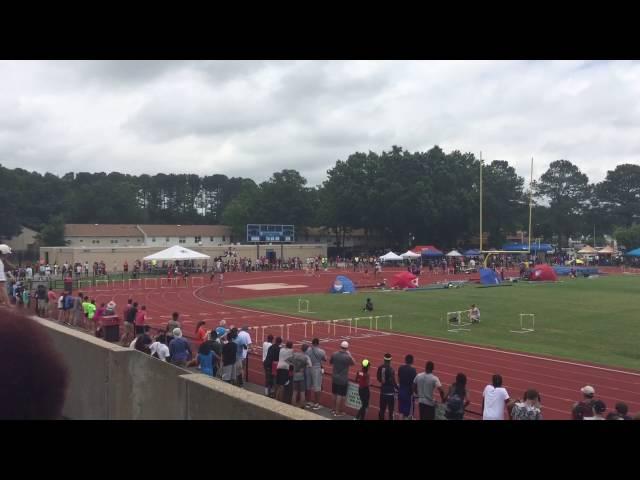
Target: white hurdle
[
  {"x": 526, "y": 329},
  {"x": 150, "y": 283},
  {"x": 357, "y": 319},
  {"x": 102, "y": 285},
  {"x": 168, "y": 282},
  {"x": 135, "y": 282},
  {"x": 199, "y": 283},
  {"x": 303, "y": 306},
  {"x": 455, "y": 323},
  {"x": 85, "y": 284}
]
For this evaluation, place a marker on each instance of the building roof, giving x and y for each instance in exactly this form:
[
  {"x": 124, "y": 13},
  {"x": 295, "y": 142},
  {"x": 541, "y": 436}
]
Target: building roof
[
  {"x": 124, "y": 230},
  {"x": 100, "y": 230},
  {"x": 186, "y": 230}
]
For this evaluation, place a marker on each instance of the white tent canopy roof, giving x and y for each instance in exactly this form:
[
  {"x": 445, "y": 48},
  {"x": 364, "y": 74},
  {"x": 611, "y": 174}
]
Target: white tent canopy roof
[
  {"x": 390, "y": 256},
  {"x": 177, "y": 253},
  {"x": 454, "y": 253},
  {"x": 410, "y": 254}
]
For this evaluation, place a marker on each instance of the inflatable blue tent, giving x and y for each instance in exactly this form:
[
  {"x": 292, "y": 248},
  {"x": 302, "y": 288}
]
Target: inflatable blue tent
[
  {"x": 342, "y": 285},
  {"x": 489, "y": 277}
]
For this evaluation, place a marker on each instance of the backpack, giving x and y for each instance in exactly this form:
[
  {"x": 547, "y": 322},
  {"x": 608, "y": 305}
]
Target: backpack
[{"x": 455, "y": 405}]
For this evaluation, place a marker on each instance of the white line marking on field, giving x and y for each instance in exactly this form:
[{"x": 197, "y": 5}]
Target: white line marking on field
[{"x": 486, "y": 349}]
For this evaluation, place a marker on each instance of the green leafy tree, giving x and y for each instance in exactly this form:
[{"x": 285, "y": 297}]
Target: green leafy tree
[
  {"x": 619, "y": 195},
  {"x": 628, "y": 237},
  {"x": 504, "y": 204},
  {"x": 52, "y": 234},
  {"x": 566, "y": 189}
]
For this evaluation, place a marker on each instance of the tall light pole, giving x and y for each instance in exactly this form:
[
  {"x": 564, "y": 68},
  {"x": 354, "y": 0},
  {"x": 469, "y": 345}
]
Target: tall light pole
[{"x": 481, "y": 202}]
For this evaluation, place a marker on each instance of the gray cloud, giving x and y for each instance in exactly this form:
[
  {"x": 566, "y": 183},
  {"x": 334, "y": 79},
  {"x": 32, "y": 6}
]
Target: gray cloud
[{"x": 252, "y": 118}]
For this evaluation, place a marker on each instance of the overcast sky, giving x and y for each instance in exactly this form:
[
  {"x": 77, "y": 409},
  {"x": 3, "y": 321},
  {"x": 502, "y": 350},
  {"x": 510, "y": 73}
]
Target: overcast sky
[{"x": 251, "y": 118}]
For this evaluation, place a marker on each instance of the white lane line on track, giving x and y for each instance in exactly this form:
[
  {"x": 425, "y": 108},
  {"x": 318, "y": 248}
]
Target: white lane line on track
[{"x": 444, "y": 342}]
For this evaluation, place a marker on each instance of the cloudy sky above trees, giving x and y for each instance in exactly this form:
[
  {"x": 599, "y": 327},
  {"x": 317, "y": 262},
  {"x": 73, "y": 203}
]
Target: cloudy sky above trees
[{"x": 251, "y": 118}]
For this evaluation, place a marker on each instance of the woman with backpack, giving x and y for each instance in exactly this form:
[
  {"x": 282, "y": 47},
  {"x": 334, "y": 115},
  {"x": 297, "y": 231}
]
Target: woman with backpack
[{"x": 457, "y": 398}]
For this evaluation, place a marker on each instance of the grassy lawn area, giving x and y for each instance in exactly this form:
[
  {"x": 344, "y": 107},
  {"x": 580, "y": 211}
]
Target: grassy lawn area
[{"x": 590, "y": 319}]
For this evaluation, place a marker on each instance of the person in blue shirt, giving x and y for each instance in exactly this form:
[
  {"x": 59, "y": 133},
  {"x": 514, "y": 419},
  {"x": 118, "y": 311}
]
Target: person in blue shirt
[
  {"x": 179, "y": 349},
  {"x": 207, "y": 359},
  {"x": 68, "y": 307}
]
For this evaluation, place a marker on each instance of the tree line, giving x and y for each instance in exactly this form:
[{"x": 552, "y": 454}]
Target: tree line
[{"x": 396, "y": 196}]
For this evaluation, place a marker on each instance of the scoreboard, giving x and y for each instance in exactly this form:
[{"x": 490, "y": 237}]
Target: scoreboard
[{"x": 270, "y": 233}]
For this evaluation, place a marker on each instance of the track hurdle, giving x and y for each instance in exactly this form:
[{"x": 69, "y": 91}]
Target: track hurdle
[
  {"x": 281, "y": 327},
  {"x": 85, "y": 284},
  {"x": 150, "y": 283},
  {"x": 102, "y": 285},
  {"x": 327, "y": 322},
  {"x": 199, "y": 283},
  {"x": 457, "y": 321},
  {"x": 117, "y": 284},
  {"x": 527, "y": 323},
  {"x": 337, "y": 323},
  {"x": 135, "y": 283},
  {"x": 303, "y": 306},
  {"x": 358, "y": 319},
  {"x": 167, "y": 282},
  {"x": 294, "y": 325},
  {"x": 383, "y": 319}
]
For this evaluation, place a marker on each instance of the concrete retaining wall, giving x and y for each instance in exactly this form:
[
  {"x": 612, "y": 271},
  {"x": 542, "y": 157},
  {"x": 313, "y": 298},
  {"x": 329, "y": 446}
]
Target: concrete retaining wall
[{"x": 109, "y": 382}]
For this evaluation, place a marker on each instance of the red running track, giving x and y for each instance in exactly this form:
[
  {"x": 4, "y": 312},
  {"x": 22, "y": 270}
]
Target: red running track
[{"x": 559, "y": 381}]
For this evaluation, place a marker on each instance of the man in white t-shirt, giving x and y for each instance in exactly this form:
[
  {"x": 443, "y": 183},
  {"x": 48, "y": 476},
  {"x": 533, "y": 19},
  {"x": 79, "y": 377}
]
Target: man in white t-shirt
[
  {"x": 159, "y": 349},
  {"x": 244, "y": 343},
  {"x": 268, "y": 377},
  {"x": 494, "y": 400}
]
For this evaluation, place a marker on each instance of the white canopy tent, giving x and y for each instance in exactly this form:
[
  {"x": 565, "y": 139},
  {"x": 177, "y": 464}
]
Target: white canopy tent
[
  {"x": 177, "y": 253},
  {"x": 390, "y": 257},
  {"x": 454, "y": 253},
  {"x": 410, "y": 254}
]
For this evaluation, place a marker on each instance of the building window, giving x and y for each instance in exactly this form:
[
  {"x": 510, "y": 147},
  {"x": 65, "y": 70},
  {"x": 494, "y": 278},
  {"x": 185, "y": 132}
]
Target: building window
[
  {"x": 81, "y": 241},
  {"x": 223, "y": 238},
  {"x": 197, "y": 239},
  {"x": 211, "y": 239},
  {"x": 139, "y": 240},
  {"x": 182, "y": 240},
  {"x": 153, "y": 239},
  {"x": 115, "y": 241},
  {"x": 167, "y": 239},
  {"x": 127, "y": 241}
]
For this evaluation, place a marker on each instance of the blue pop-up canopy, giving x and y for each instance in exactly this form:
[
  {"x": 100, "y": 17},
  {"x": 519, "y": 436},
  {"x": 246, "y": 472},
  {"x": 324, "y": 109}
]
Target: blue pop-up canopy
[
  {"x": 633, "y": 253},
  {"x": 524, "y": 248},
  {"x": 472, "y": 252}
]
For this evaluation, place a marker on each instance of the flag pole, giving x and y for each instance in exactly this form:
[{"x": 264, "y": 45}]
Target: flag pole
[{"x": 480, "y": 201}]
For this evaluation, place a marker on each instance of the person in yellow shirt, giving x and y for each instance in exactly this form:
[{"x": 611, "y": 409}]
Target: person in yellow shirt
[{"x": 89, "y": 309}]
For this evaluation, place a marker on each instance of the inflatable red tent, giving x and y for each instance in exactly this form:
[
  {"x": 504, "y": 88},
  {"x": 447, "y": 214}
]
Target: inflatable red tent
[
  {"x": 543, "y": 273},
  {"x": 404, "y": 280}
]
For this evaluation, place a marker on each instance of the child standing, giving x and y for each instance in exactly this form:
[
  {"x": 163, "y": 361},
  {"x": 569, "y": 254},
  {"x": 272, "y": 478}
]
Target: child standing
[{"x": 363, "y": 381}]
